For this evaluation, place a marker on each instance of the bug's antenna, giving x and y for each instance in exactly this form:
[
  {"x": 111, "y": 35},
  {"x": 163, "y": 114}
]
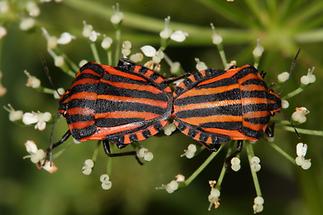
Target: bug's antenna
[
  {"x": 296, "y": 132},
  {"x": 46, "y": 71},
  {"x": 293, "y": 64}
]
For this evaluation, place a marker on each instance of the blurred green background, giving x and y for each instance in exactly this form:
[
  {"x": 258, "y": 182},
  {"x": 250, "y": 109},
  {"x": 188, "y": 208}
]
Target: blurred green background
[{"x": 281, "y": 26}]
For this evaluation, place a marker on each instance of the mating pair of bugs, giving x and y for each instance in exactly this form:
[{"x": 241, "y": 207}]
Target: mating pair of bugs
[{"x": 130, "y": 102}]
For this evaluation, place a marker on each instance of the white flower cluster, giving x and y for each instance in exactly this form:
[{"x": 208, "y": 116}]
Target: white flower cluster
[
  {"x": 106, "y": 43},
  {"x": 52, "y": 41},
  {"x": 173, "y": 185},
  {"x": 255, "y": 164},
  {"x": 258, "y": 204},
  {"x": 89, "y": 32},
  {"x": 216, "y": 37},
  {"x": 126, "y": 48},
  {"x": 38, "y": 157},
  {"x": 14, "y": 115},
  {"x": 150, "y": 51},
  {"x": 258, "y": 50},
  {"x": 235, "y": 164},
  {"x": 137, "y": 57},
  {"x": 106, "y": 184},
  {"x": 32, "y": 81},
  {"x": 200, "y": 65},
  {"x": 169, "y": 129},
  {"x": 87, "y": 166},
  {"x": 309, "y": 78},
  {"x": 38, "y": 118},
  {"x": 301, "y": 150},
  {"x": 145, "y": 154},
  {"x": 299, "y": 115},
  {"x": 3, "y": 90},
  {"x": 168, "y": 33},
  {"x": 190, "y": 151},
  {"x": 214, "y": 196},
  {"x": 283, "y": 77},
  {"x": 117, "y": 16}
]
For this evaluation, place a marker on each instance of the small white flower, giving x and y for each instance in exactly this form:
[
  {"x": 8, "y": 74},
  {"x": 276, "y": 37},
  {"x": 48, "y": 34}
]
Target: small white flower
[
  {"x": 309, "y": 78},
  {"x": 306, "y": 164},
  {"x": 87, "y": 167},
  {"x": 137, "y": 57},
  {"x": 180, "y": 178},
  {"x": 158, "y": 56},
  {"x": 32, "y": 81},
  {"x": 82, "y": 63},
  {"x": 145, "y": 154},
  {"x": 258, "y": 205},
  {"x": 235, "y": 164},
  {"x": 285, "y": 104},
  {"x": 258, "y": 50},
  {"x": 106, "y": 183},
  {"x": 3, "y": 32},
  {"x": 87, "y": 29},
  {"x": 126, "y": 48},
  {"x": 255, "y": 164},
  {"x": 148, "y": 51},
  {"x": 190, "y": 151},
  {"x": 65, "y": 38},
  {"x": 27, "y": 24},
  {"x": 51, "y": 40},
  {"x": 32, "y": 9},
  {"x": 4, "y": 7},
  {"x": 59, "y": 61},
  {"x": 58, "y": 93},
  {"x": 171, "y": 186},
  {"x": 283, "y": 77},
  {"x": 169, "y": 129},
  {"x": 49, "y": 167},
  {"x": 200, "y": 65},
  {"x": 3, "y": 90},
  {"x": 36, "y": 155},
  {"x": 94, "y": 36},
  {"x": 216, "y": 38},
  {"x": 175, "y": 67},
  {"x": 178, "y": 36},
  {"x": 167, "y": 31},
  {"x": 39, "y": 119},
  {"x": 31, "y": 147},
  {"x": 214, "y": 198},
  {"x": 300, "y": 114},
  {"x": 106, "y": 43},
  {"x": 117, "y": 16},
  {"x": 104, "y": 178},
  {"x": 301, "y": 149},
  {"x": 14, "y": 115}
]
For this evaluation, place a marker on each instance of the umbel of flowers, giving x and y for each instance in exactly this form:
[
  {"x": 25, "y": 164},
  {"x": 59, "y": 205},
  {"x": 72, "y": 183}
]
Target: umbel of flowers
[{"x": 152, "y": 57}]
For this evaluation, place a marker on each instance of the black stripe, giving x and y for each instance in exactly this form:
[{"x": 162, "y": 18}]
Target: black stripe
[
  {"x": 223, "y": 125},
  {"x": 242, "y": 73},
  {"x": 234, "y": 110},
  {"x": 93, "y": 66},
  {"x": 254, "y": 107},
  {"x": 254, "y": 81},
  {"x": 107, "y": 89},
  {"x": 78, "y": 118},
  {"x": 253, "y": 94},
  {"x": 103, "y": 106},
  {"x": 258, "y": 120},
  {"x": 84, "y": 88},
  {"x": 251, "y": 133},
  {"x": 85, "y": 75},
  {"x": 228, "y": 95},
  {"x": 203, "y": 137},
  {"x": 192, "y": 132},
  {"x": 85, "y": 132},
  {"x": 133, "y": 137},
  {"x": 82, "y": 103},
  {"x": 116, "y": 78},
  {"x": 219, "y": 83},
  {"x": 111, "y": 122},
  {"x": 146, "y": 133}
]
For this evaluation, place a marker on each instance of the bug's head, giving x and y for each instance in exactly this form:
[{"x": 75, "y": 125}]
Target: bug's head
[
  {"x": 275, "y": 102},
  {"x": 63, "y": 103}
]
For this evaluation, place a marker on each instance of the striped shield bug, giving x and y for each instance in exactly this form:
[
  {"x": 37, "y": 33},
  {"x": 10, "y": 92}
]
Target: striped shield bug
[
  {"x": 117, "y": 105},
  {"x": 214, "y": 106}
]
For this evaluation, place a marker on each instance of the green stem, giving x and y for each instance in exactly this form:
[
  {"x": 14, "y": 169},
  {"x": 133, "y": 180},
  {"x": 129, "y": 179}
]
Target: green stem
[
  {"x": 223, "y": 171},
  {"x": 64, "y": 68},
  {"x": 283, "y": 153},
  {"x": 95, "y": 52},
  {"x": 60, "y": 152},
  {"x": 251, "y": 154},
  {"x": 222, "y": 55},
  {"x": 293, "y": 93},
  {"x": 46, "y": 90},
  {"x": 202, "y": 167},
  {"x": 109, "y": 57},
  {"x": 109, "y": 166},
  {"x": 96, "y": 151},
  {"x": 118, "y": 45},
  {"x": 304, "y": 131}
]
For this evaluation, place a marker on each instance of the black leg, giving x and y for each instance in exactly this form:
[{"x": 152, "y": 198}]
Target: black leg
[
  {"x": 106, "y": 147},
  {"x": 235, "y": 153},
  {"x": 54, "y": 145},
  {"x": 270, "y": 130},
  {"x": 211, "y": 147},
  {"x": 173, "y": 79}
]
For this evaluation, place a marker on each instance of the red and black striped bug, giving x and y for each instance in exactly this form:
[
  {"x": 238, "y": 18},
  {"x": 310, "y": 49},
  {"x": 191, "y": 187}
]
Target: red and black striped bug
[
  {"x": 117, "y": 105},
  {"x": 214, "y": 107}
]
